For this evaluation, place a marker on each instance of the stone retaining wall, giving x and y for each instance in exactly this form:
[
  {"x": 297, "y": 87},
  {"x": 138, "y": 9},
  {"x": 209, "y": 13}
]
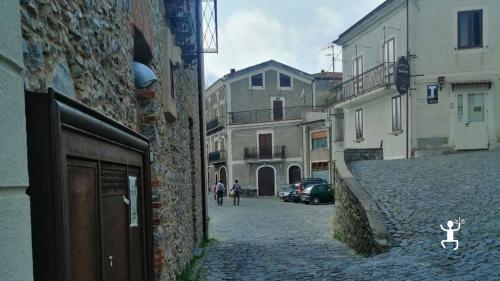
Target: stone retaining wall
[
  {"x": 357, "y": 221},
  {"x": 363, "y": 154}
]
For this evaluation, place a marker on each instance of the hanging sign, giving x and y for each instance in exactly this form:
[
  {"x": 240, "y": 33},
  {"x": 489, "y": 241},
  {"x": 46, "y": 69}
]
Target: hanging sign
[
  {"x": 432, "y": 94},
  {"x": 402, "y": 75}
]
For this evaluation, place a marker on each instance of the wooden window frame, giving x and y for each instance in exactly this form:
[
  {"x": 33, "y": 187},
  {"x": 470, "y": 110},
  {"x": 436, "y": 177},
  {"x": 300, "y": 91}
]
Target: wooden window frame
[
  {"x": 469, "y": 14},
  {"x": 327, "y": 140}
]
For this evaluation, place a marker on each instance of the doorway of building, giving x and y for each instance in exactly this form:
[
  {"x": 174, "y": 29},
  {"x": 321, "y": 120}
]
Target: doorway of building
[
  {"x": 265, "y": 146},
  {"x": 471, "y": 126},
  {"x": 266, "y": 181},
  {"x": 223, "y": 178},
  {"x": 277, "y": 110},
  {"x": 293, "y": 174}
]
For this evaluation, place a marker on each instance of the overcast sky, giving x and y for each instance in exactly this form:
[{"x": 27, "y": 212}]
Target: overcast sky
[{"x": 290, "y": 31}]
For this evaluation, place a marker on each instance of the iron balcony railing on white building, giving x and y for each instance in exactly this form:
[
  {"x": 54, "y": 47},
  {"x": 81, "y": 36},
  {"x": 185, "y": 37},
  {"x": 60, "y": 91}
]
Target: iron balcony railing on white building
[
  {"x": 215, "y": 124},
  {"x": 264, "y": 152},
  {"x": 217, "y": 157},
  {"x": 380, "y": 76},
  {"x": 271, "y": 115}
]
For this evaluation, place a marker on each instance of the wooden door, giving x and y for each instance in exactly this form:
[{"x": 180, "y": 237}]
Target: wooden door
[
  {"x": 293, "y": 174},
  {"x": 223, "y": 178},
  {"x": 84, "y": 220},
  {"x": 277, "y": 110},
  {"x": 88, "y": 223},
  {"x": 114, "y": 223},
  {"x": 266, "y": 181},
  {"x": 265, "y": 146}
]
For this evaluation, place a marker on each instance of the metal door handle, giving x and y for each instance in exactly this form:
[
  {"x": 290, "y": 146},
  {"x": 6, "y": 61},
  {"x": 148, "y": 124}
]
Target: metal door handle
[{"x": 110, "y": 261}]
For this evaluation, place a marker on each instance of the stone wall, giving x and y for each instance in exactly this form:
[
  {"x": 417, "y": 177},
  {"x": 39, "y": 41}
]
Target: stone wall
[
  {"x": 357, "y": 220},
  {"x": 350, "y": 222},
  {"x": 363, "y": 154},
  {"x": 84, "y": 49}
]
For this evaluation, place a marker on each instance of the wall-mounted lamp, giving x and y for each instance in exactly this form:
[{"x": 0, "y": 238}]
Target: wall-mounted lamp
[
  {"x": 441, "y": 80},
  {"x": 144, "y": 76}
]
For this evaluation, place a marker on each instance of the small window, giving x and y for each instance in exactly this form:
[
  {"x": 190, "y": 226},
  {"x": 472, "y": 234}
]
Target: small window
[
  {"x": 285, "y": 81},
  {"x": 389, "y": 56},
  {"x": 396, "y": 114},
  {"x": 319, "y": 140},
  {"x": 358, "y": 122},
  {"x": 172, "y": 84},
  {"x": 257, "y": 81},
  {"x": 320, "y": 170},
  {"x": 470, "y": 29}
]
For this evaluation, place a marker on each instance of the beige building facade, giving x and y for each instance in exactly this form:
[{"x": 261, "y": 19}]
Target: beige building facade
[{"x": 261, "y": 123}]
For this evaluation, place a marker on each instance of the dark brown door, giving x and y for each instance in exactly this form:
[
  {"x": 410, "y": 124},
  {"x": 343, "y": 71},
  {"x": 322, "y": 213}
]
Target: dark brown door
[
  {"x": 293, "y": 174},
  {"x": 277, "y": 110},
  {"x": 114, "y": 211},
  {"x": 84, "y": 220},
  {"x": 265, "y": 146},
  {"x": 266, "y": 181},
  {"x": 223, "y": 178}
]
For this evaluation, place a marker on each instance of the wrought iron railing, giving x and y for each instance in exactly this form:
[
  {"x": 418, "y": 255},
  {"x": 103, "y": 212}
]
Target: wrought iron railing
[
  {"x": 270, "y": 115},
  {"x": 217, "y": 156},
  {"x": 380, "y": 76},
  {"x": 215, "y": 123},
  {"x": 264, "y": 152}
]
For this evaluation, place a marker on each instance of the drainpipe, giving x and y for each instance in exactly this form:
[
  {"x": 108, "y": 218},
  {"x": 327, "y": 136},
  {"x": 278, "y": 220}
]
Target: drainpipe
[
  {"x": 409, "y": 73},
  {"x": 199, "y": 50}
]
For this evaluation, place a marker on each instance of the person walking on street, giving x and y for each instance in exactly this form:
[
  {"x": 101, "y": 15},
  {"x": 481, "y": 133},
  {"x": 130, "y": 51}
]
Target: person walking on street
[
  {"x": 214, "y": 189},
  {"x": 220, "y": 192},
  {"x": 237, "y": 189}
]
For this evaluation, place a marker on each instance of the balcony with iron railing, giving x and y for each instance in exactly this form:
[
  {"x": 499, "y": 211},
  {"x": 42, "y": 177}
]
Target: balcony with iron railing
[
  {"x": 271, "y": 115},
  {"x": 216, "y": 124},
  {"x": 380, "y": 76},
  {"x": 265, "y": 153},
  {"x": 217, "y": 157}
]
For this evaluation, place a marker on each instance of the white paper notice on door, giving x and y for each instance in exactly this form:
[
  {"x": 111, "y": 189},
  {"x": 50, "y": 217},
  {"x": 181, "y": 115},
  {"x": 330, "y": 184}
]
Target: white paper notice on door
[{"x": 132, "y": 188}]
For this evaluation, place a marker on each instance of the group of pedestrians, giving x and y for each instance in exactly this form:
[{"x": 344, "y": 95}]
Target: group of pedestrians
[{"x": 219, "y": 189}]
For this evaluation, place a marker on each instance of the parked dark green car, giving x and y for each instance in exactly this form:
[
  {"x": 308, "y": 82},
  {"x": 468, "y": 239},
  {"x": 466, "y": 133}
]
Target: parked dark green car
[{"x": 317, "y": 193}]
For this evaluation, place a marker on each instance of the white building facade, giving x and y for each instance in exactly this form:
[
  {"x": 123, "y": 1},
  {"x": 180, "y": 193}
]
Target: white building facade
[{"x": 454, "y": 99}]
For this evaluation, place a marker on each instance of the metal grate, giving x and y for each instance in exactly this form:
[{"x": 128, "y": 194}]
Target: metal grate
[{"x": 210, "y": 31}]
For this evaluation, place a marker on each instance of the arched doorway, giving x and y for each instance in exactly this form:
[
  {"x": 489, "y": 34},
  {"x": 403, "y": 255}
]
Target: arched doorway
[
  {"x": 266, "y": 181},
  {"x": 294, "y": 174},
  {"x": 223, "y": 178}
]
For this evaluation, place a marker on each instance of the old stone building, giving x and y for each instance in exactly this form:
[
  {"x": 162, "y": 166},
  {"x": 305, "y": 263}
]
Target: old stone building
[{"x": 87, "y": 51}]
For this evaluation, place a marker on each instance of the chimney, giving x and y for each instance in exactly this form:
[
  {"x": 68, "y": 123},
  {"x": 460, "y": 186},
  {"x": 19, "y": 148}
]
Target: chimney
[
  {"x": 322, "y": 71},
  {"x": 232, "y": 71}
]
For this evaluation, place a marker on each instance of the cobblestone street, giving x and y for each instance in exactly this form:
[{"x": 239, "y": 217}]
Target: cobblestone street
[{"x": 265, "y": 239}]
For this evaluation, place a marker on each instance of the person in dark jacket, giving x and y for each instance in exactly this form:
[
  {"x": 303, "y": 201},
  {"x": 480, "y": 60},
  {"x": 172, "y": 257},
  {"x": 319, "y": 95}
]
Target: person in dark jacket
[{"x": 237, "y": 190}]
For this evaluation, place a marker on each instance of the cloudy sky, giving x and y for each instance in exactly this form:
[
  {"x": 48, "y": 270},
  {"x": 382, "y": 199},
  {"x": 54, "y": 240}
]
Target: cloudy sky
[{"x": 293, "y": 32}]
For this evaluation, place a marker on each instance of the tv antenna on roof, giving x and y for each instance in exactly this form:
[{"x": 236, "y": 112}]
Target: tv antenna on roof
[{"x": 332, "y": 54}]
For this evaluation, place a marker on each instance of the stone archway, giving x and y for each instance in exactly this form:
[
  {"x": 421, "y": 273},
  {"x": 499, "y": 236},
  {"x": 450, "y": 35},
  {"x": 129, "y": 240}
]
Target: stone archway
[
  {"x": 266, "y": 177},
  {"x": 294, "y": 174},
  {"x": 223, "y": 178}
]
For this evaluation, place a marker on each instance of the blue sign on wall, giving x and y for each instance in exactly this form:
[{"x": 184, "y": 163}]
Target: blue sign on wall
[{"x": 432, "y": 94}]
